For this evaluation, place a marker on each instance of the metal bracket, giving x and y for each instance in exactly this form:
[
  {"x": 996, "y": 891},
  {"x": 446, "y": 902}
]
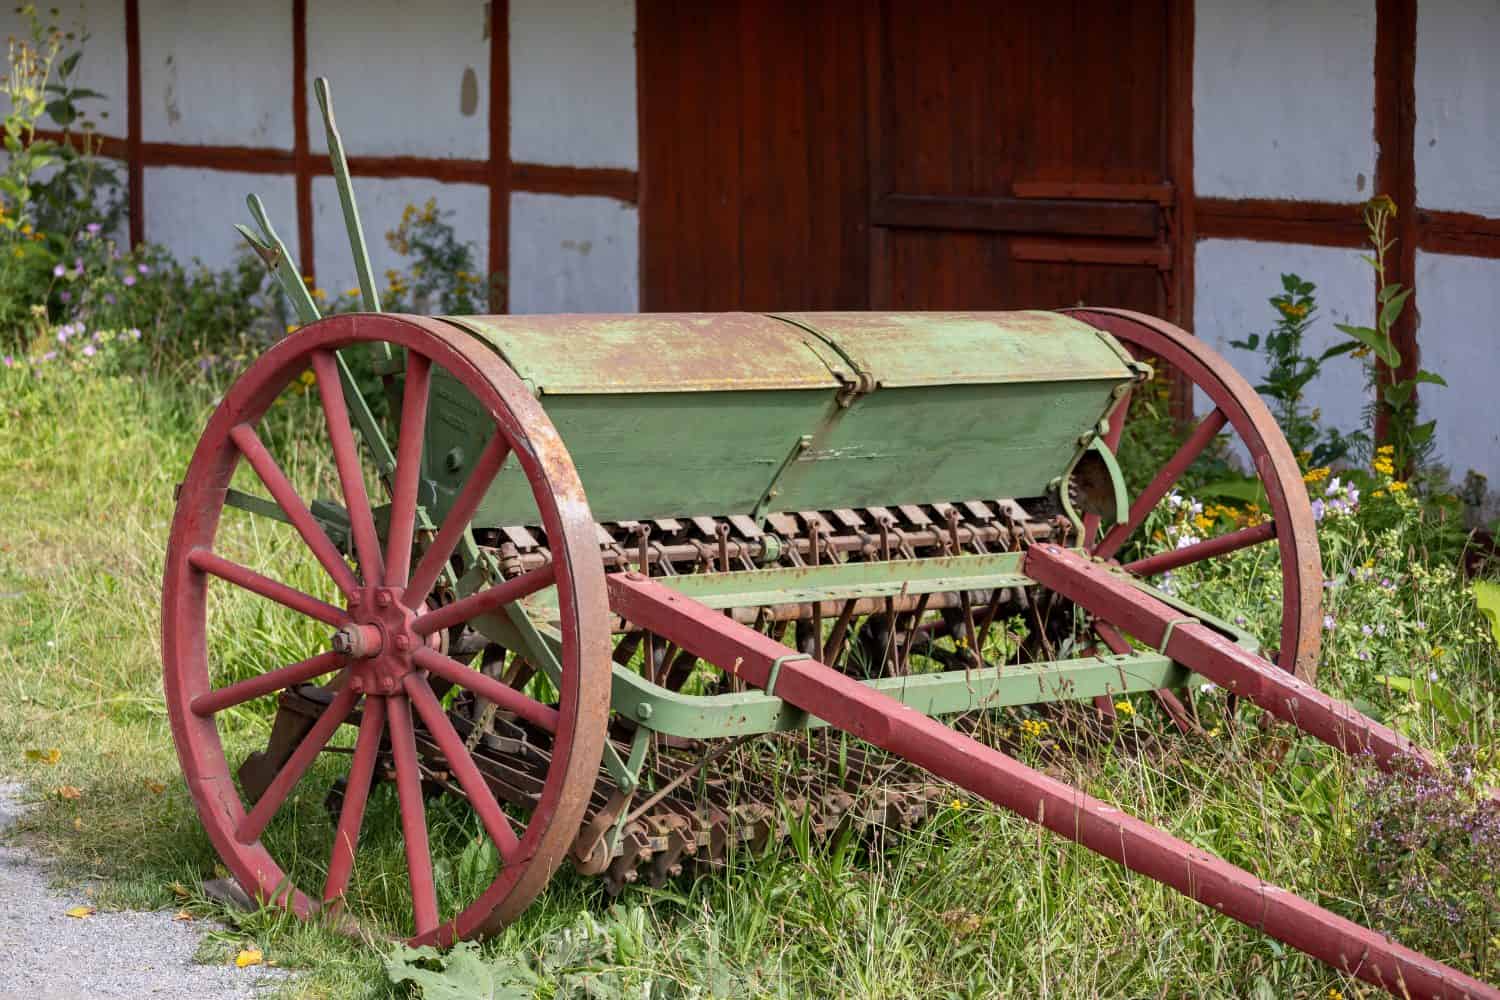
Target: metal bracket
[
  {"x": 1166, "y": 635},
  {"x": 775, "y": 673},
  {"x": 763, "y": 505}
]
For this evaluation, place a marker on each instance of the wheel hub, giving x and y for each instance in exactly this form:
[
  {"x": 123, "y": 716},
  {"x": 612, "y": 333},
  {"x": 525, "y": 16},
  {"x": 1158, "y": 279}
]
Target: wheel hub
[{"x": 379, "y": 641}]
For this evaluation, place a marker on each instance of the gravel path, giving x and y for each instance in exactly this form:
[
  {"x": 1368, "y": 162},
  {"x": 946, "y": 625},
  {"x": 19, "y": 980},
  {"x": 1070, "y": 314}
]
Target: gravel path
[{"x": 47, "y": 955}]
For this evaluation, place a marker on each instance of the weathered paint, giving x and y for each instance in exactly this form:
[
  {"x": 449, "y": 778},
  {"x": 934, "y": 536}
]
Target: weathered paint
[
  {"x": 190, "y": 210},
  {"x": 572, "y": 82},
  {"x": 570, "y": 254},
  {"x": 217, "y": 73},
  {"x": 381, "y": 202},
  {"x": 1236, "y": 277},
  {"x": 1460, "y": 296},
  {"x": 1283, "y": 100},
  {"x": 408, "y": 63},
  {"x": 1458, "y": 107},
  {"x": 681, "y": 414}
]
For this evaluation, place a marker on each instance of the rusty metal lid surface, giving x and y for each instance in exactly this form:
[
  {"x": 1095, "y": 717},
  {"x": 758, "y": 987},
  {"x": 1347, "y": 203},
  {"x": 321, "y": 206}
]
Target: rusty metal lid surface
[
  {"x": 943, "y": 348},
  {"x": 657, "y": 352}
]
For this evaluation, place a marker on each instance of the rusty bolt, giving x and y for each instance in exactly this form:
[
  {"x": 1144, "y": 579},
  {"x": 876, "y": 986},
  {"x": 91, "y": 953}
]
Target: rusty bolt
[
  {"x": 635, "y": 575},
  {"x": 403, "y": 642},
  {"x": 388, "y": 685},
  {"x": 383, "y": 598},
  {"x": 342, "y": 642},
  {"x": 356, "y": 597}
]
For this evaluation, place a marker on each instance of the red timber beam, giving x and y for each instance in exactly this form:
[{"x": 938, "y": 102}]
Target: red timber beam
[
  {"x": 498, "y": 169},
  {"x": 1395, "y": 167},
  {"x": 879, "y": 719},
  {"x": 134, "y": 166}
]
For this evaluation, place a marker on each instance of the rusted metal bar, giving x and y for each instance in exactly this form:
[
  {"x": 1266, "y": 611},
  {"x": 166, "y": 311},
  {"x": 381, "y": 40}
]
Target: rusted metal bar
[
  {"x": 1108, "y": 594},
  {"x": 863, "y": 712}
]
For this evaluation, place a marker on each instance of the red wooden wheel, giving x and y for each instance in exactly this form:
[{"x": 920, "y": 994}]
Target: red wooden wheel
[
  {"x": 386, "y": 644},
  {"x": 1238, "y": 408}
]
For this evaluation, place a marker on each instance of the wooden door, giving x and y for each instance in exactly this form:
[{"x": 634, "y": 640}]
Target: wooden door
[{"x": 922, "y": 155}]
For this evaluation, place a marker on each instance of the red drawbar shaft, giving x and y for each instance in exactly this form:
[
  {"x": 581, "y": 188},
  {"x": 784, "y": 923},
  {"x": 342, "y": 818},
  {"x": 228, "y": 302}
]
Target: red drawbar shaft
[{"x": 879, "y": 719}]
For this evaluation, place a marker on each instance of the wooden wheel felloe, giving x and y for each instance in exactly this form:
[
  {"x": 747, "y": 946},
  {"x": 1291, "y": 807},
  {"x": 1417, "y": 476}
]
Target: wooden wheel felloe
[
  {"x": 1236, "y": 408},
  {"x": 386, "y": 644}
]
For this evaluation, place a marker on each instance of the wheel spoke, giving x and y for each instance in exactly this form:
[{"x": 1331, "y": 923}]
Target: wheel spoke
[
  {"x": 356, "y": 792},
  {"x": 1208, "y": 429},
  {"x": 481, "y": 798},
  {"x": 1169, "y": 702},
  {"x": 457, "y": 522},
  {"x": 351, "y": 470},
  {"x": 486, "y": 600},
  {"x": 507, "y": 698},
  {"x": 413, "y": 816},
  {"x": 282, "y": 491},
  {"x": 408, "y": 469},
  {"x": 262, "y": 684},
  {"x": 291, "y": 772},
  {"x": 242, "y": 576},
  {"x": 1198, "y": 551}
]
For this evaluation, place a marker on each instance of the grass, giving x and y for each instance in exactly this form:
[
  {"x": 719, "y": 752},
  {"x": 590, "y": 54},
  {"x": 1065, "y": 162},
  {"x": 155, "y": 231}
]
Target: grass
[{"x": 975, "y": 903}]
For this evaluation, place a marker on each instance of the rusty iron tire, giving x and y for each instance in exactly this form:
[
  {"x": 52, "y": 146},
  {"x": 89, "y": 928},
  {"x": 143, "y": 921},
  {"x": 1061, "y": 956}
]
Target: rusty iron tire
[
  {"x": 388, "y": 686},
  {"x": 1243, "y": 410}
]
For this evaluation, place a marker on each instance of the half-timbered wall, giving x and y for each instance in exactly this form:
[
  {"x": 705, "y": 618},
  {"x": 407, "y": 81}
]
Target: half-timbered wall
[{"x": 614, "y": 154}]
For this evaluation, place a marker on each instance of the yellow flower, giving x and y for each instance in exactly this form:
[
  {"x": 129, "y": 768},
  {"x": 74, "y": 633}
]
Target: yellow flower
[
  {"x": 248, "y": 957},
  {"x": 1316, "y": 475},
  {"x": 1382, "y": 203},
  {"x": 1437, "y": 652},
  {"x": 958, "y": 804},
  {"x": 1378, "y": 494},
  {"x": 1214, "y": 731},
  {"x": 1334, "y": 994},
  {"x": 351, "y": 292},
  {"x": 318, "y": 293},
  {"x": 308, "y": 379},
  {"x": 1124, "y": 707},
  {"x": 1398, "y": 487},
  {"x": 26, "y": 229},
  {"x": 291, "y": 328},
  {"x": 1033, "y": 729},
  {"x": 1388, "y": 450}
]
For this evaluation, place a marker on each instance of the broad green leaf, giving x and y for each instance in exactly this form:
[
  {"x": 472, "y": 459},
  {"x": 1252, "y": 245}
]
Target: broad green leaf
[
  {"x": 1338, "y": 349},
  {"x": 1432, "y": 378},
  {"x": 1246, "y": 490},
  {"x": 1375, "y": 341},
  {"x": 1487, "y": 597},
  {"x": 1399, "y": 394},
  {"x": 1392, "y": 308}
]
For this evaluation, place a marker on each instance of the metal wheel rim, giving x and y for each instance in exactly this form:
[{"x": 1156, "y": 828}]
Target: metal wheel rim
[{"x": 1275, "y": 465}]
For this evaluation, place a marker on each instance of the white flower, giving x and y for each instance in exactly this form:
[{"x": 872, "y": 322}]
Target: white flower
[{"x": 1333, "y": 487}]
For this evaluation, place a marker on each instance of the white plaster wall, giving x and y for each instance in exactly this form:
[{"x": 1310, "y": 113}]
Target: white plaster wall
[
  {"x": 194, "y": 211},
  {"x": 1458, "y": 299},
  {"x": 1458, "y": 105},
  {"x": 572, "y": 82},
  {"x": 1235, "y": 278},
  {"x": 216, "y": 73},
  {"x": 400, "y": 74},
  {"x": 1284, "y": 99},
  {"x": 573, "y": 254},
  {"x": 381, "y": 201},
  {"x": 102, "y": 67}
]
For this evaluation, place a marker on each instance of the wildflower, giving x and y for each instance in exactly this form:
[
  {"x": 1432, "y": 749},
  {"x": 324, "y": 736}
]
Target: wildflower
[
  {"x": 1328, "y": 623},
  {"x": 308, "y": 379},
  {"x": 1319, "y": 508},
  {"x": 1366, "y": 631},
  {"x": 957, "y": 804},
  {"x": 88, "y": 351},
  {"x": 135, "y": 334},
  {"x": 1033, "y": 729},
  {"x": 1214, "y": 732},
  {"x": 1381, "y": 204},
  {"x": 10, "y": 362},
  {"x": 1334, "y": 994},
  {"x": 1316, "y": 475},
  {"x": 58, "y": 271},
  {"x": 1398, "y": 487},
  {"x": 49, "y": 356},
  {"x": 94, "y": 228},
  {"x": 1124, "y": 708},
  {"x": 1333, "y": 487},
  {"x": 143, "y": 268},
  {"x": 128, "y": 280},
  {"x": 291, "y": 328},
  {"x": 1437, "y": 652},
  {"x": 63, "y": 332},
  {"x": 1209, "y": 687},
  {"x": 65, "y": 295},
  {"x": 351, "y": 292}
]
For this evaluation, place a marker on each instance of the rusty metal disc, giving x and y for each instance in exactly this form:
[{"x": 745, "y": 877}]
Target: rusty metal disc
[
  {"x": 385, "y": 645},
  {"x": 1238, "y": 407}
]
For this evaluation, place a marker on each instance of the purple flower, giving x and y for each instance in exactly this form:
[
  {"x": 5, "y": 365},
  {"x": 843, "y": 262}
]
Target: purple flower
[
  {"x": 49, "y": 355},
  {"x": 88, "y": 351},
  {"x": 109, "y": 299},
  {"x": 65, "y": 295},
  {"x": 204, "y": 364},
  {"x": 10, "y": 362},
  {"x": 93, "y": 228},
  {"x": 1366, "y": 630},
  {"x": 144, "y": 269},
  {"x": 78, "y": 264},
  {"x": 1328, "y": 623},
  {"x": 59, "y": 271},
  {"x": 63, "y": 332},
  {"x": 135, "y": 334},
  {"x": 1318, "y": 509},
  {"x": 129, "y": 280}
]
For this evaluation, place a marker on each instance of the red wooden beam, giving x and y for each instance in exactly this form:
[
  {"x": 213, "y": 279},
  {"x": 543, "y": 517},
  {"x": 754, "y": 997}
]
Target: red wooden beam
[
  {"x": 498, "y": 169},
  {"x": 135, "y": 168},
  {"x": 1395, "y": 165},
  {"x": 1319, "y": 223},
  {"x": 301, "y": 164},
  {"x": 1458, "y": 233}
]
